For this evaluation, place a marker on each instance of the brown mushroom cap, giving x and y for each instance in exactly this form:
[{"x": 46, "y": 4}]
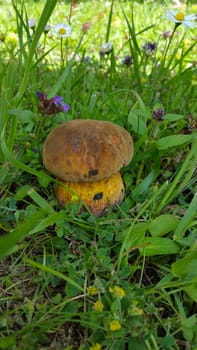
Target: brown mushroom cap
[{"x": 87, "y": 150}]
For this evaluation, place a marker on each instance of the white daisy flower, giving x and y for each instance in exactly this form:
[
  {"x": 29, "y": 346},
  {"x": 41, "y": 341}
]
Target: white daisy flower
[
  {"x": 106, "y": 48},
  {"x": 32, "y": 23},
  {"x": 63, "y": 30},
  {"x": 47, "y": 28},
  {"x": 179, "y": 17}
]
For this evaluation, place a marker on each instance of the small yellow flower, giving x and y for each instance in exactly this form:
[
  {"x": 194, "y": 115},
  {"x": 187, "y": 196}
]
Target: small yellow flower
[
  {"x": 114, "y": 325},
  {"x": 194, "y": 8},
  {"x": 135, "y": 311},
  {"x": 12, "y": 38},
  {"x": 98, "y": 306},
  {"x": 177, "y": 57},
  {"x": 186, "y": 44},
  {"x": 117, "y": 291},
  {"x": 92, "y": 290},
  {"x": 27, "y": 144},
  {"x": 143, "y": 80},
  {"x": 159, "y": 56},
  {"x": 96, "y": 346}
]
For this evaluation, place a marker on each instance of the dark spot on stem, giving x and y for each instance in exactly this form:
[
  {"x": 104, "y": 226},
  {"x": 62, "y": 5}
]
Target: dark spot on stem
[{"x": 98, "y": 196}]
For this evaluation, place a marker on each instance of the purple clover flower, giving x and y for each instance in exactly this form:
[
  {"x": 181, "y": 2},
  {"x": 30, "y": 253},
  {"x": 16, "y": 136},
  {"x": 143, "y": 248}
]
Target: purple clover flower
[
  {"x": 149, "y": 48},
  {"x": 57, "y": 100},
  {"x": 51, "y": 106},
  {"x": 64, "y": 107},
  {"x": 40, "y": 95},
  {"x": 158, "y": 114},
  {"x": 127, "y": 60}
]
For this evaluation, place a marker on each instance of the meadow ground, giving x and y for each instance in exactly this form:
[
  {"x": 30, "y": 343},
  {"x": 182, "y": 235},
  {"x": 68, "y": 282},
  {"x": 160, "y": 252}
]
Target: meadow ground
[{"x": 126, "y": 280}]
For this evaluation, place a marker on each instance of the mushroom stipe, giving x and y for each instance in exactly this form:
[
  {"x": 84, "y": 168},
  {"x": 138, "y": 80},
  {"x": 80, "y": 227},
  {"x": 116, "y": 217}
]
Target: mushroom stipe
[
  {"x": 98, "y": 196},
  {"x": 87, "y": 155}
]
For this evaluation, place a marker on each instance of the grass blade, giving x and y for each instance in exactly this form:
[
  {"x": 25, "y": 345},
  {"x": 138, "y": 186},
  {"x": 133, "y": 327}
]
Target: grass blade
[
  {"x": 109, "y": 22},
  {"x": 44, "y": 18},
  {"x": 191, "y": 212},
  {"x": 8, "y": 241},
  {"x": 50, "y": 270}
]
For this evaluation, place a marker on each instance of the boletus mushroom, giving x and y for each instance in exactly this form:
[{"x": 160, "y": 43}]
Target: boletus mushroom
[{"x": 86, "y": 156}]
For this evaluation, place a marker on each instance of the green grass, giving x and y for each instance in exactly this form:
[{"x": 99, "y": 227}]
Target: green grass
[{"x": 61, "y": 268}]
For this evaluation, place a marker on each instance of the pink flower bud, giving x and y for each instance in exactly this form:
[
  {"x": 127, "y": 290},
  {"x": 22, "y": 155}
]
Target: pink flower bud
[{"x": 85, "y": 27}]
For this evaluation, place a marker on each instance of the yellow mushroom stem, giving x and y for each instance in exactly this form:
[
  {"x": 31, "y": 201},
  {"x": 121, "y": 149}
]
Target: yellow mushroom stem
[{"x": 98, "y": 196}]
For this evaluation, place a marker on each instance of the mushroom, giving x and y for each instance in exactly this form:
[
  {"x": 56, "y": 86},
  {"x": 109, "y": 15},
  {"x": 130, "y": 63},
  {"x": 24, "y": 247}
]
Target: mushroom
[{"x": 86, "y": 155}]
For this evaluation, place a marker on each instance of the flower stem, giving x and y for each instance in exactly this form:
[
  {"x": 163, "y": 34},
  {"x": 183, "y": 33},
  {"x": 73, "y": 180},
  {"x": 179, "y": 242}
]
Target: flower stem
[
  {"x": 167, "y": 47},
  {"x": 61, "y": 51}
]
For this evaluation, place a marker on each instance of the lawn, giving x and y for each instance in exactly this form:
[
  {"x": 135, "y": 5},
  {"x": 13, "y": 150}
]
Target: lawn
[{"x": 125, "y": 279}]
